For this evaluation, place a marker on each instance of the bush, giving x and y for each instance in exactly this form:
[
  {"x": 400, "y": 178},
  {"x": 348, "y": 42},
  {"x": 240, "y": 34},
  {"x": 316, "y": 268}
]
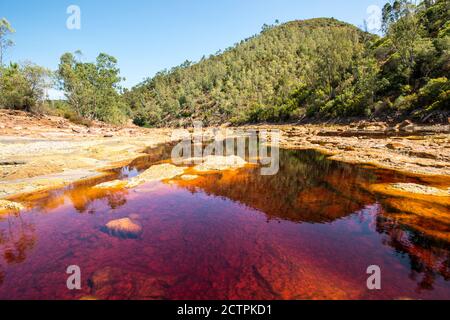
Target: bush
[
  {"x": 406, "y": 103},
  {"x": 22, "y": 86},
  {"x": 435, "y": 94}
]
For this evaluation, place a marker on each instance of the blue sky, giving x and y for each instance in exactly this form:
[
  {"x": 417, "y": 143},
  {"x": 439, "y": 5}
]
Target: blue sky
[{"x": 150, "y": 35}]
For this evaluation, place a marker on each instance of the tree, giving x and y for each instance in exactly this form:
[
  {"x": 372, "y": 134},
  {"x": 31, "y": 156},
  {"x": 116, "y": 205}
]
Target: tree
[
  {"x": 407, "y": 35},
  {"x": 5, "y": 31},
  {"x": 23, "y": 86},
  {"x": 92, "y": 89}
]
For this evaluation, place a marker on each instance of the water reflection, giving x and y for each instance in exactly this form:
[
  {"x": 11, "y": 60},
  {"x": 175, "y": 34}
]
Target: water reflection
[
  {"x": 428, "y": 258},
  {"x": 304, "y": 233},
  {"x": 311, "y": 189},
  {"x": 308, "y": 188},
  {"x": 16, "y": 240}
]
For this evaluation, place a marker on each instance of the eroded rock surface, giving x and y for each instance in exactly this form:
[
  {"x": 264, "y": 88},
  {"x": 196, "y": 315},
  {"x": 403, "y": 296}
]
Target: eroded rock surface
[
  {"x": 189, "y": 177},
  {"x": 159, "y": 173},
  {"x": 154, "y": 173},
  {"x": 421, "y": 189}
]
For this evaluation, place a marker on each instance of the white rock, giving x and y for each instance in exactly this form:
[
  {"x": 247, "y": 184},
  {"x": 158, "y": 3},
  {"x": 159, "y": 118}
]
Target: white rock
[
  {"x": 156, "y": 173},
  {"x": 115, "y": 184},
  {"x": 421, "y": 189},
  {"x": 221, "y": 163}
]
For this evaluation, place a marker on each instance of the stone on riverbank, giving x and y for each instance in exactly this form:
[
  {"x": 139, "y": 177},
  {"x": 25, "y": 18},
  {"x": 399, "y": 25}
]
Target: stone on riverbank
[
  {"x": 413, "y": 191},
  {"x": 154, "y": 173},
  {"x": 221, "y": 163},
  {"x": 421, "y": 189},
  {"x": 160, "y": 172}
]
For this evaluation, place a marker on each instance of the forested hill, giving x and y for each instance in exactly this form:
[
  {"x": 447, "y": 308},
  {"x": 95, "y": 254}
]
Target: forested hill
[
  {"x": 258, "y": 73},
  {"x": 319, "y": 68}
]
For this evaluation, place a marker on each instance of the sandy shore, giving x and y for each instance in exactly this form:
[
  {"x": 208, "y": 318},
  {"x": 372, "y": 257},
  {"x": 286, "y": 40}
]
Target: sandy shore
[{"x": 49, "y": 152}]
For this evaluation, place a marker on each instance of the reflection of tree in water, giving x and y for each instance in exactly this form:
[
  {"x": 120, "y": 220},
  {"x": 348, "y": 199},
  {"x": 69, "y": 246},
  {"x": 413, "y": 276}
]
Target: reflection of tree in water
[
  {"x": 83, "y": 198},
  {"x": 81, "y": 195},
  {"x": 428, "y": 258},
  {"x": 16, "y": 240},
  {"x": 308, "y": 188}
]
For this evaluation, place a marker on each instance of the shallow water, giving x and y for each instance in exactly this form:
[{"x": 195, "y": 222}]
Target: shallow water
[{"x": 310, "y": 232}]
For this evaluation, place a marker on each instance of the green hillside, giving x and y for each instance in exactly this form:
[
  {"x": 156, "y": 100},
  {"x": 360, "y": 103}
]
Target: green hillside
[{"x": 312, "y": 69}]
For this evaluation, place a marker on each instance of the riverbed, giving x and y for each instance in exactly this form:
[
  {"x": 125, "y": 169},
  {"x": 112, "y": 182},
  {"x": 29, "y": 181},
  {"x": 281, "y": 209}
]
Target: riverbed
[{"x": 309, "y": 232}]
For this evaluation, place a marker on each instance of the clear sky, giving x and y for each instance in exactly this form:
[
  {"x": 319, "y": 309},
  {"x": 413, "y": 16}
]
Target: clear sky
[{"x": 147, "y": 36}]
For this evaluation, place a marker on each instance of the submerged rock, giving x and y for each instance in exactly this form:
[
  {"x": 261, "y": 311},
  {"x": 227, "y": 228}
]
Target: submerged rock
[
  {"x": 123, "y": 228},
  {"x": 113, "y": 283},
  {"x": 10, "y": 206},
  {"x": 221, "y": 163},
  {"x": 413, "y": 191}
]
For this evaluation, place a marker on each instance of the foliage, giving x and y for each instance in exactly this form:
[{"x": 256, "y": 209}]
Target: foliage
[
  {"x": 257, "y": 80},
  {"x": 92, "y": 89},
  {"x": 318, "y": 68},
  {"x": 23, "y": 86}
]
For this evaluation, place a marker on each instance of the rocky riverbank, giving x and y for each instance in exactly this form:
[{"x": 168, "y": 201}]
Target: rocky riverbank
[
  {"x": 48, "y": 152},
  {"x": 405, "y": 147}
]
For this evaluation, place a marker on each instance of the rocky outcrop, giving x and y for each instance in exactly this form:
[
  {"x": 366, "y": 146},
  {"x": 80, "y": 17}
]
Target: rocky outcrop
[
  {"x": 425, "y": 150},
  {"x": 155, "y": 173},
  {"x": 412, "y": 191},
  {"x": 115, "y": 184},
  {"x": 158, "y": 173},
  {"x": 421, "y": 189},
  {"x": 221, "y": 163}
]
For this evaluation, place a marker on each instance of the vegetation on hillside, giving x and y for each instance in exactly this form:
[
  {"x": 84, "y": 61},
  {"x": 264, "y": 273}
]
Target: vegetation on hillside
[{"x": 319, "y": 68}]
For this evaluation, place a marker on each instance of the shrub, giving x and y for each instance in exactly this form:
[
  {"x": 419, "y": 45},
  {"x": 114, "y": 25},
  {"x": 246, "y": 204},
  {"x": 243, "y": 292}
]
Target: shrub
[{"x": 435, "y": 94}]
